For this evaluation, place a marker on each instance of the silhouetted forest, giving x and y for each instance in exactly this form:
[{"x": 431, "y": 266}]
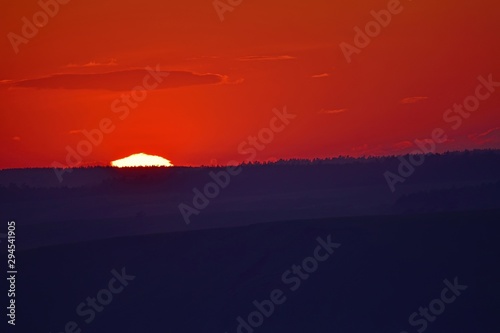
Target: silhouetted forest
[{"x": 97, "y": 201}]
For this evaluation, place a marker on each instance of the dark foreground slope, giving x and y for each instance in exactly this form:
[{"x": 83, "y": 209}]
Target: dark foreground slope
[{"x": 201, "y": 281}]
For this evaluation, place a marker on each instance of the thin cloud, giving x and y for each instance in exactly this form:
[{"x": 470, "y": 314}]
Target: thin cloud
[
  {"x": 402, "y": 145},
  {"x": 266, "y": 58},
  {"x": 111, "y": 62},
  {"x": 321, "y": 75},
  {"x": 412, "y": 100},
  {"x": 367, "y": 150},
  {"x": 333, "y": 111},
  {"x": 120, "y": 80},
  {"x": 491, "y": 135},
  {"x": 203, "y": 57},
  {"x": 16, "y": 138},
  {"x": 362, "y": 148}
]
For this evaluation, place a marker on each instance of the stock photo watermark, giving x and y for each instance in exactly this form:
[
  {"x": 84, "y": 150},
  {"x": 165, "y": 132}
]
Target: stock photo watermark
[
  {"x": 292, "y": 278},
  {"x": 92, "y": 306},
  {"x": 30, "y": 28},
  {"x": 221, "y": 179},
  {"x": 425, "y": 315},
  {"x": 11, "y": 271},
  {"x": 223, "y": 6},
  {"x": 454, "y": 117},
  {"x": 372, "y": 29},
  {"x": 120, "y": 106}
]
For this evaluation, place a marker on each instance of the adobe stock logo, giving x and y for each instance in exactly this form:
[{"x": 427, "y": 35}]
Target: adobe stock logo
[
  {"x": 436, "y": 307},
  {"x": 221, "y": 7},
  {"x": 30, "y": 28},
  {"x": 251, "y": 146},
  {"x": 293, "y": 278},
  {"x": 454, "y": 116},
  {"x": 92, "y": 306},
  {"x": 121, "y": 106},
  {"x": 372, "y": 29}
]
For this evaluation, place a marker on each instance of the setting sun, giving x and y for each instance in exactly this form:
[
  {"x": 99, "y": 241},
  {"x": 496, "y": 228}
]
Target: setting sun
[{"x": 141, "y": 160}]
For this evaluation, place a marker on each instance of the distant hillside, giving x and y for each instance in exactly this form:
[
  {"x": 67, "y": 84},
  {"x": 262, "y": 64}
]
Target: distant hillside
[
  {"x": 94, "y": 203},
  {"x": 452, "y": 165},
  {"x": 484, "y": 196}
]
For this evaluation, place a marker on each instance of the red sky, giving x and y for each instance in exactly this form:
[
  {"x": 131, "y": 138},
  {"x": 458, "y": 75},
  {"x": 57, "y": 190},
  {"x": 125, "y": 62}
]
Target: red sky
[{"x": 225, "y": 78}]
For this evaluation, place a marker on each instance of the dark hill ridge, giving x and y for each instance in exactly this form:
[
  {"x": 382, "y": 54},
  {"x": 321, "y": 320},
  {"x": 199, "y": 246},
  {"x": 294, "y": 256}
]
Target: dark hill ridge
[
  {"x": 201, "y": 281},
  {"x": 120, "y": 202},
  {"x": 450, "y": 166}
]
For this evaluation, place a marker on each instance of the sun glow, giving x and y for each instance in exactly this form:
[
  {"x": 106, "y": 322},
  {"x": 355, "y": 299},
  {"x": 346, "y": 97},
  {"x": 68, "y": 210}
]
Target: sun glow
[{"x": 141, "y": 160}]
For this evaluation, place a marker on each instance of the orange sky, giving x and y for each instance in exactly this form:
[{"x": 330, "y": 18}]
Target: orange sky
[{"x": 225, "y": 78}]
